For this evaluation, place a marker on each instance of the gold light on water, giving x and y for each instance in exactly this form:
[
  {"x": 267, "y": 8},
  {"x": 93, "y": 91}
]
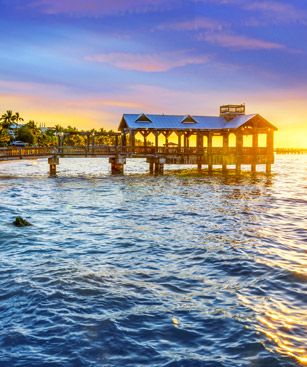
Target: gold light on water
[
  {"x": 279, "y": 324},
  {"x": 285, "y": 326}
]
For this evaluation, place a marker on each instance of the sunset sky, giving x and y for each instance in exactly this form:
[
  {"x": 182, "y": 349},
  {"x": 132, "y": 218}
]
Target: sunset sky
[{"x": 85, "y": 63}]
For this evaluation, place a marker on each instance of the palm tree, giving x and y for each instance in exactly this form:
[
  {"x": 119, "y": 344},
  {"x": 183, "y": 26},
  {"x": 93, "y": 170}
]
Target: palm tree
[
  {"x": 17, "y": 117},
  {"x": 58, "y": 128},
  {"x": 33, "y": 127},
  {"x": 7, "y": 120}
]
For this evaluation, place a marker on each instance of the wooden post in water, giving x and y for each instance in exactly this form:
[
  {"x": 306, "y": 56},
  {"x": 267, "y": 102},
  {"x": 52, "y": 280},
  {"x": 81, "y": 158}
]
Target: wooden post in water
[
  {"x": 157, "y": 165},
  {"x": 117, "y": 165},
  {"x": 53, "y": 162},
  {"x": 151, "y": 167}
]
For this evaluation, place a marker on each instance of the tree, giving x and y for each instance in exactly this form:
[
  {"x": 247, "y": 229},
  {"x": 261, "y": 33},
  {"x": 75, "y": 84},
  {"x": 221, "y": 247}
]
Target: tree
[
  {"x": 17, "y": 117},
  {"x": 5, "y": 138},
  {"x": 25, "y": 134},
  {"x": 36, "y": 131},
  {"x": 6, "y": 120}
]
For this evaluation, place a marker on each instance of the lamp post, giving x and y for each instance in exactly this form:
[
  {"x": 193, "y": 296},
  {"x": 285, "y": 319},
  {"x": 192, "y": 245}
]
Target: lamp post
[
  {"x": 93, "y": 140},
  {"x": 60, "y": 136}
]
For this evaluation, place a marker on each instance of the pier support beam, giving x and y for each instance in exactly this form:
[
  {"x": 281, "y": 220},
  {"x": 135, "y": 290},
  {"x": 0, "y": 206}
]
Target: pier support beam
[
  {"x": 255, "y": 152},
  {"x": 239, "y": 146},
  {"x": 209, "y": 148},
  {"x": 53, "y": 163},
  {"x": 159, "y": 169},
  {"x": 151, "y": 167},
  {"x": 270, "y": 150},
  {"x": 117, "y": 165},
  {"x": 156, "y": 165},
  {"x": 225, "y": 152}
]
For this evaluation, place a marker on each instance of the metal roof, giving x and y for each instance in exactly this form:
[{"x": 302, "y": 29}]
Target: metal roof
[{"x": 177, "y": 122}]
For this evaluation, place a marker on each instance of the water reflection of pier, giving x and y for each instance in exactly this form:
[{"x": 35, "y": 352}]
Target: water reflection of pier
[{"x": 230, "y": 139}]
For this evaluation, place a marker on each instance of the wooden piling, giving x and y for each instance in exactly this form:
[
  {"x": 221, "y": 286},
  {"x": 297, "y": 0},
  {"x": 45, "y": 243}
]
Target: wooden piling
[
  {"x": 117, "y": 165},
  {"x": 53, "y": 162}
]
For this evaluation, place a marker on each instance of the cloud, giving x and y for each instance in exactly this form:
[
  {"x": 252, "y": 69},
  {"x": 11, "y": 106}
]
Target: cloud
[
  {"x": 54, "y": 104},
  {"x": 121, "y": 102},
  {"x": 99, "y": 7},
  {"x": 149, "y": 63},
  {"x": 192, "y": 25},
  {"x": 274, "y": 10},
  {"x": 281, "y": 11},
  {"x": 239, "y": 42}
]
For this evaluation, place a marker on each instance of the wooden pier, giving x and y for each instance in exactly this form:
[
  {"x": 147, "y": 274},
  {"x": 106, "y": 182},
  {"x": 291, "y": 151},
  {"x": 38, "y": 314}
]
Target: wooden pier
[{"x": 194, "y": 144}]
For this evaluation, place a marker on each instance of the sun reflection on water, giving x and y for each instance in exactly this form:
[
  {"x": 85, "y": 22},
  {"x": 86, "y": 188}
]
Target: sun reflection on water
[{"x": 284, "y": 327}]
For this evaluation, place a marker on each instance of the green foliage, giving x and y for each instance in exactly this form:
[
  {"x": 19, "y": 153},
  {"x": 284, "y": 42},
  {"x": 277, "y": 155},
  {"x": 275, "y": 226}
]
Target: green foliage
[
  {"x": 26, "y": 135},
  {"x": 5, "y": 138},
  {"x": 9, "y": 118},
  {"x": 31, "y": 133},
  {"x": 6, "y": 121}
]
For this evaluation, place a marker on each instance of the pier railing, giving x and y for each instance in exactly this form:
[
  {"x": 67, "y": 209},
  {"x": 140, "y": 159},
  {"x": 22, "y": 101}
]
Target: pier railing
[
  {"x": 107, "y": 150},
  {"x": 20, "y": 152}
]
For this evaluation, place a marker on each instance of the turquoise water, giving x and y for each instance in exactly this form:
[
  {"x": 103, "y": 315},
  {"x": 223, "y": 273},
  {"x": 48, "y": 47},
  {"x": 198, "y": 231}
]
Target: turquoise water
[{"x": 177, "y": 270}]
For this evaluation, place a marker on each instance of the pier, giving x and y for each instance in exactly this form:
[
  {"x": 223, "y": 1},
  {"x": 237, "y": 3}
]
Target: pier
[{"x": 230, "y": 139}]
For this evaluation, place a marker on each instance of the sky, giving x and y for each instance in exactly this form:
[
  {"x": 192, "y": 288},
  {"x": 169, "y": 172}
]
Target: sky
[{"x": 85, "y": 63}]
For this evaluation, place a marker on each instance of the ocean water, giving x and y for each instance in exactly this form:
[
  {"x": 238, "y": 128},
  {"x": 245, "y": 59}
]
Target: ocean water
[{"x": 182, "y": 270}]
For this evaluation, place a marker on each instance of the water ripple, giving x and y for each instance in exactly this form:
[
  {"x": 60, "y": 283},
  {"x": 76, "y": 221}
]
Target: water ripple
[{"x": 111, "y": 261}]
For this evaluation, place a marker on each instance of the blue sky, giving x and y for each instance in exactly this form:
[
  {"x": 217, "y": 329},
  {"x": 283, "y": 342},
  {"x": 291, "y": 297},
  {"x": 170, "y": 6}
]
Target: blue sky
[{"x": 87, "y": 62}]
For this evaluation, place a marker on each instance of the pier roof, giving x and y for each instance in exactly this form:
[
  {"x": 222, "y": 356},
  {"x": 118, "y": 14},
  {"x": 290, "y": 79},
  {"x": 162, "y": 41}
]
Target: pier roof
[{"x": 184, "y": 122}]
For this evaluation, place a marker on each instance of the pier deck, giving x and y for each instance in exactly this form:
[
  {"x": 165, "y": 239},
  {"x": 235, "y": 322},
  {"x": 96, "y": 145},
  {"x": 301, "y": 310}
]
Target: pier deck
[{"x": 160, "y": 155}]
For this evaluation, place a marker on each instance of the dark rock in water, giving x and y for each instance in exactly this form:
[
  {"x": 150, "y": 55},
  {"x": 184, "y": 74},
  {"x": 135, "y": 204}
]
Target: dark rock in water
[{"x": 20, "y": 222}]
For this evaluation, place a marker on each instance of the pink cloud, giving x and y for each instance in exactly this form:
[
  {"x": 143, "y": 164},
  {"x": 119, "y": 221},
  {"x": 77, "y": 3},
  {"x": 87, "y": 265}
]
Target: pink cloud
[
  {"x": 273, "y": 10},
  {"x": 192, "y": 25},
  {"x": 277, "y": 10},
  {"x": 99, "y": 7},
  {"x": 239, "y": 42},
  {"x": 149, "y": 63}
]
